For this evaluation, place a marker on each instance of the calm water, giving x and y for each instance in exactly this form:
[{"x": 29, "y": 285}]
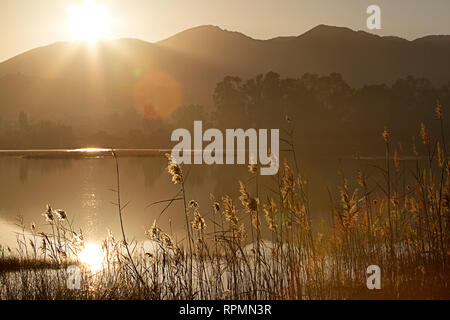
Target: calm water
[{"x": 81, "y": 183}]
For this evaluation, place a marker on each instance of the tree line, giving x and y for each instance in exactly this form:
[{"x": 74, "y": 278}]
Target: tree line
[{"x": 327, "y": 113}]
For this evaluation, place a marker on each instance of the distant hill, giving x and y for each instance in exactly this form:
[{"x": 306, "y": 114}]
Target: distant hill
[{"x": 89, "y": 80}]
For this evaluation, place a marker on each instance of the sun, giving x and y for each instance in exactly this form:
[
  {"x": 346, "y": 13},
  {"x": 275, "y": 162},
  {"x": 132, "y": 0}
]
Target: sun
[
  {"x": 92, "y": 256},
  {"x": 89, "y": 22}
]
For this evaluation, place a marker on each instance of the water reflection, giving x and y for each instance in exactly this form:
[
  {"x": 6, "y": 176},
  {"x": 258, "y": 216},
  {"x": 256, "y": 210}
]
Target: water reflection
[
  {"x": 82, "y": 187},
  {"x": 89, "y": 202}
]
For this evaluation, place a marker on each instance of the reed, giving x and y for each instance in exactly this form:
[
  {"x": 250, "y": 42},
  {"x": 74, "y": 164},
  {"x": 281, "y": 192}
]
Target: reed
[{"x": 264, "y": 244}]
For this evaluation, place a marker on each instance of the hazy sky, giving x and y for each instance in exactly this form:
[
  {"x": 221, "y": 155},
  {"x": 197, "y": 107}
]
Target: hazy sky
[{"x": 26, "y": 24}]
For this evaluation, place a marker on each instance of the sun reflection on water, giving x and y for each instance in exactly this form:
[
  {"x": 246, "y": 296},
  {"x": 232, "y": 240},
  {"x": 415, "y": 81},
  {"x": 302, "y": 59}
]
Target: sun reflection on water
[
  {"x": 90, "y": 150},
  {"x": 92, "y": 256}
]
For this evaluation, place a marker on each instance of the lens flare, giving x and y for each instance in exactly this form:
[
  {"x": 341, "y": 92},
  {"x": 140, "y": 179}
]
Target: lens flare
[{"x": 157, "y": 95}]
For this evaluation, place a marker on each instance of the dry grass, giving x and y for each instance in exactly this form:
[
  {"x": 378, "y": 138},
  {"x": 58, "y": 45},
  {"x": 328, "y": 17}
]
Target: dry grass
[{"x": 265, "y": 246}]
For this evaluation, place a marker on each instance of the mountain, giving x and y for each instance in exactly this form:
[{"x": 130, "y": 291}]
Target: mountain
[
  {"x": 96, "y": 79},
  {"x": 361, "y": 57}
]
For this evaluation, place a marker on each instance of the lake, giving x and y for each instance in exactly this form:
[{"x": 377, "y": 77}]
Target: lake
[{"x": 80, "y": 182}]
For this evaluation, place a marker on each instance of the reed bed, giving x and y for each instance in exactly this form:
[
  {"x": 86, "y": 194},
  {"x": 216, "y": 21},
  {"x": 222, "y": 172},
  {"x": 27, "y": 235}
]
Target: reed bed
[{"x": 264, "y": 244}]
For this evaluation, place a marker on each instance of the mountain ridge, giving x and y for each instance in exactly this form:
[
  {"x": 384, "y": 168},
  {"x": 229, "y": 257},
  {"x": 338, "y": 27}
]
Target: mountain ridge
[
  {"x": 202, "y": 28},
  {"x": 198, "y": 58}
]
